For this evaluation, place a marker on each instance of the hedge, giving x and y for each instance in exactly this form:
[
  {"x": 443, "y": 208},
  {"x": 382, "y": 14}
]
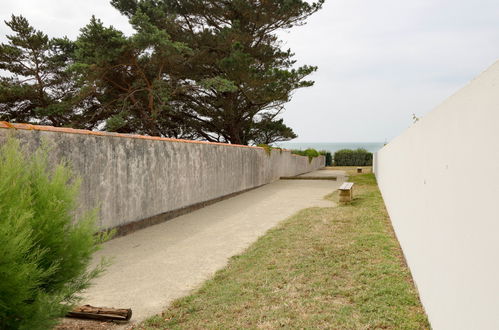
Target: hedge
[{"x": 358, "y": 157}]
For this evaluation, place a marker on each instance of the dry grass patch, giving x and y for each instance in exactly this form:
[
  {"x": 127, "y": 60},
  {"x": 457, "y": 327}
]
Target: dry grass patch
[
  {"x": 351, "y": 170},
  {"x": 338, "y": 268}
]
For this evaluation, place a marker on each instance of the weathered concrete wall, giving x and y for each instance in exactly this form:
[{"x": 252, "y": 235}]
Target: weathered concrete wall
[
  {"x": 440, "y": 182},
  {"x": 135, "y": 177}
]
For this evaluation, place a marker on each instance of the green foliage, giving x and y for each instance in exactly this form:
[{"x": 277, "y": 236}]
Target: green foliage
[
  {"x": 270, "y": 130},
  {"x": 310, "y": 153},
  {"x": 237, "y": 78},
  {"x": 39, "y": 88},
  {"x": 219, "y": 84},
  {"x": 267, "y": 148},
  {"x": 44, "y": 254},
  {"x": 328, "y": 156},
  {"x": 128, "y": 76},
  {"x": 358, "y": 157},
  {"x": 193, "y": 69}
]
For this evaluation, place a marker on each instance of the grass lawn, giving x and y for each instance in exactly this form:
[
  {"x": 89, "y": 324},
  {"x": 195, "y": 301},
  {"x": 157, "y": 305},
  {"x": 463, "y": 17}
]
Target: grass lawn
[{"x": 338, "y": 267}]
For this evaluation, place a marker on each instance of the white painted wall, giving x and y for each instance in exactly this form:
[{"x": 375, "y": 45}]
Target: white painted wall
[{"x": 440, "y": 182}]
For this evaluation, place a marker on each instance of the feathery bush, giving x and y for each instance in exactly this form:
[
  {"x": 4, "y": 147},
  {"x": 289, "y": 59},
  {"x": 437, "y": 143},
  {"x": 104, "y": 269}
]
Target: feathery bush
[{"x": 44, "y": 253}]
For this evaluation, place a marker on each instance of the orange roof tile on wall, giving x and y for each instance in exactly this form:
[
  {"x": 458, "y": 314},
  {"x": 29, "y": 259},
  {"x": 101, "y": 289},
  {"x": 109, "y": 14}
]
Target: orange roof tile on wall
[{"x": 4, "y": 124}]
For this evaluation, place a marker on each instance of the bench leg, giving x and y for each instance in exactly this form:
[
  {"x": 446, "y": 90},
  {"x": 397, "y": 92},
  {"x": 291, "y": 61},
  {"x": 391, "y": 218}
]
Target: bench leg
[{"x": 346, "y": 196}]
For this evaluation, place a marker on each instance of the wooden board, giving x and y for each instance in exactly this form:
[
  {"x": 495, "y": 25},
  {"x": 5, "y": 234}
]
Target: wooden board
[
  {"x": 100, "y": 313},
  {"x": 346, "y": 186}
]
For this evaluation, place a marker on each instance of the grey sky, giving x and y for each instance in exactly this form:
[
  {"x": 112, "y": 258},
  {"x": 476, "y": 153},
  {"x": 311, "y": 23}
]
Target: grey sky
[{"x": 379, "y": 61}]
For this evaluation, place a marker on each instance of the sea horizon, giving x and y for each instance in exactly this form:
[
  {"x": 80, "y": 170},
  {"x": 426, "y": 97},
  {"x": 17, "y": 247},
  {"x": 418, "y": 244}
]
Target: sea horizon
[{"x": 331, "y": 146}]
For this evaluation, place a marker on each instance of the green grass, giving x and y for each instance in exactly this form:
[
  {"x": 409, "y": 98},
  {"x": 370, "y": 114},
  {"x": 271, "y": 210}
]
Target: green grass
[{"x": 338, "y": 268}]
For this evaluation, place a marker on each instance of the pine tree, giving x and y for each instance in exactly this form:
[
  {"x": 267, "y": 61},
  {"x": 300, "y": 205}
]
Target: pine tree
[
  {"x": 132, "y": 76},
  {"x": 39, "y": 89},
  {"x": 197, "y": 69},
  {"x": 270, "y": 130},
  {"x": 238, "y": 75}
]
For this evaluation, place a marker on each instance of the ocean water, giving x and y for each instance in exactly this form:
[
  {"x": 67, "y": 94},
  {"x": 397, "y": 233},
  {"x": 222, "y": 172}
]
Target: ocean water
[{"x": 332, "y": 147}]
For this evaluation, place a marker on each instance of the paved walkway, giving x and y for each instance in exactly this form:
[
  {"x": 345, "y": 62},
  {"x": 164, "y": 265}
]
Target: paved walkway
[{"x": 156, "y": 265}]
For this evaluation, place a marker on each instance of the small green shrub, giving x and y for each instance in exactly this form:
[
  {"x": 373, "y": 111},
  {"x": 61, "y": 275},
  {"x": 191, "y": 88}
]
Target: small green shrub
[
  {"x": 310, "y": 153},
  {"x": 267, "y": 148},
  {"x": 328, "y": 156},
  {"x": 358, "y": 157},
  {"x": 44, "y": 254}
]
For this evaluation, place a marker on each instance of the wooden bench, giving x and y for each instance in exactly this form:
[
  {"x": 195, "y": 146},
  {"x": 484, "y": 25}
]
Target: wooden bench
[{"x": 346, "y": 192}]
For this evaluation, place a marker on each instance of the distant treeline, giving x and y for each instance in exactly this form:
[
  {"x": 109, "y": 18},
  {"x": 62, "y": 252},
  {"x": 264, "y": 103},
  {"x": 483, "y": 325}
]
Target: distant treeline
[{"x": 344, "y": 157}]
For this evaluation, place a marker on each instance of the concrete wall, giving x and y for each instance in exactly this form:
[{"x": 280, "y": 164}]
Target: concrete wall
[
  {"x": 135, "y": 177},
  {"x": 440, "y": 182}
]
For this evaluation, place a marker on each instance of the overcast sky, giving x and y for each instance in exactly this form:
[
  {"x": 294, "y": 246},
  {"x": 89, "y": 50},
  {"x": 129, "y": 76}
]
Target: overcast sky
[{"x": 379, "y": 61}]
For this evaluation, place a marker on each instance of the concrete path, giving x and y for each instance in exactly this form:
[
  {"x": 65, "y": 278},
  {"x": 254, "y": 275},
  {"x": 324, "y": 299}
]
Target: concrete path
[{"x": 156, "y": 265}]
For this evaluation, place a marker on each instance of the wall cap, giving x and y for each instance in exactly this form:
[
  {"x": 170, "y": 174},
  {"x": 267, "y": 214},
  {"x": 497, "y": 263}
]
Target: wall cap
[{"x": 7, "y": 125}]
